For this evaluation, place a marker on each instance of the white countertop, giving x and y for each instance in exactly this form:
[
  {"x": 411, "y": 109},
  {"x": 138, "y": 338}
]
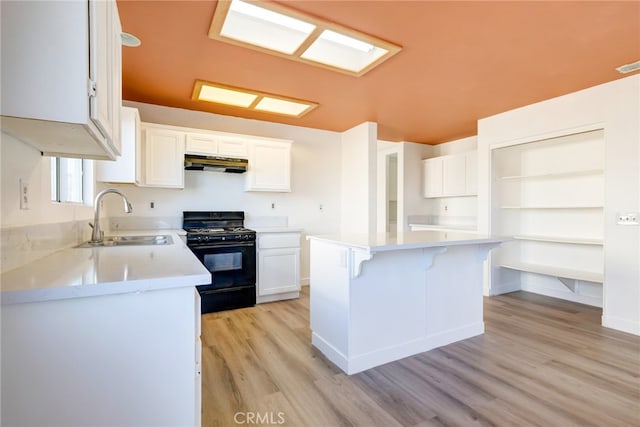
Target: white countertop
[
  {"x": 88, "y": 272},
  {"x": 408, "y": 240},
  {"x": 276, "y": 229},
  {"x": 444, "y": 227}
]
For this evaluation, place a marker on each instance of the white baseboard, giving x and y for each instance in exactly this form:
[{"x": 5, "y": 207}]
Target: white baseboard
[
  {"x": 277, "y": 297},
  {"x": 504, "y": 288},
  {"x": 620, "y": 324},
  {"x": 568, "y": 296},
  {"x": 304, "y": 281},
  {"x": 330, "y": 352},
  {"x": 362, "y": 362}
]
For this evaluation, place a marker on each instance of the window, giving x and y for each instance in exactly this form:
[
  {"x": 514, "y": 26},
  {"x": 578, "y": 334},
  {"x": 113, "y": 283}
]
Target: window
[{"x": 71, "y": 180}]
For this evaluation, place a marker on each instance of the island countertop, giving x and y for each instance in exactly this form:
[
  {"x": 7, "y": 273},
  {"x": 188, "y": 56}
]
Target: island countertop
[
  {"x": 87, "y": 272},
  {"x": 381, "y": 242}
]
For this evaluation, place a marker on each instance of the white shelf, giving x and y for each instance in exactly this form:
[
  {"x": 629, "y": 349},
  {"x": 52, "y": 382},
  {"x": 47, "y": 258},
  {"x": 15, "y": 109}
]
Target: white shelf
[
  {"x": 559, "y": 239},
  {"x": 553, "y": 175},
  {"x": 567, "y": 273},
  {"x": 554, "y": 207}
]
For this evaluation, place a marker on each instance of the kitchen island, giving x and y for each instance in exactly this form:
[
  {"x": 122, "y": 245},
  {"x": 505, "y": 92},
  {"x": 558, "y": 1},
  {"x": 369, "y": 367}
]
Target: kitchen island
[
  {"x": 379, "y": 298},
  {"x": 103, "y": 335}
]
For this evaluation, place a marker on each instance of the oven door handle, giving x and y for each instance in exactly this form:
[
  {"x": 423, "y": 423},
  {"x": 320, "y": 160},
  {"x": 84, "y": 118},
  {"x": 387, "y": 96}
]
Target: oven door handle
[{"x": 222, "y": 245}]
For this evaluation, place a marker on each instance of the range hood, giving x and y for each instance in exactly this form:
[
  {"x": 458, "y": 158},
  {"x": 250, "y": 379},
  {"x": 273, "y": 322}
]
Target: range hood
[{"x": 216, "y": 164}]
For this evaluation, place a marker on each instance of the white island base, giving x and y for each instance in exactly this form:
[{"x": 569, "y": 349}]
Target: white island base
[{"x": 382, "y": 298}]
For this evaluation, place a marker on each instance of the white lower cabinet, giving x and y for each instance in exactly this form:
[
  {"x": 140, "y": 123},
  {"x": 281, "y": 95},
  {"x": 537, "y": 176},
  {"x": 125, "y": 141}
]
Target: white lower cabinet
[
  {"x": 123, "y": 360},
  {"x": 278, "y": 266},
  {"x": 162, "y": 159}
]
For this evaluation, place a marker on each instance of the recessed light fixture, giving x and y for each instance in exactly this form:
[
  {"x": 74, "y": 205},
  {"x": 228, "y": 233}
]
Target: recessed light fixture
[
  {"x": 129, "y": 40},
  {"x": 275, "y": 29},
  {"x": 250, "y": 99},
  {"x": 629, "y": 68}
]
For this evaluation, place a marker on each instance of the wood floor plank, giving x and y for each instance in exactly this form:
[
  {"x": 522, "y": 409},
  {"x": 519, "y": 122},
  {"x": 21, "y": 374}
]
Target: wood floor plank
[
  {"x": 390, "y": 394},
  {"x": 541, "y": 362}
]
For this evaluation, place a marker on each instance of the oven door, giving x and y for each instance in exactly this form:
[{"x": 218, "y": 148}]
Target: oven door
[{"x": 232, "y": 264}]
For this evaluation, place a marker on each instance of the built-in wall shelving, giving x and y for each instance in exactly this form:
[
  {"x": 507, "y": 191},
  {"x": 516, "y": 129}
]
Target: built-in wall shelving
[
  {"x": 566, "y": 273},
  {"x": 548, "y": 195},
  {"x": 553, "y": 175},
  {"x": 598, "y": 206},
  {"x": 560, "y": 239}
]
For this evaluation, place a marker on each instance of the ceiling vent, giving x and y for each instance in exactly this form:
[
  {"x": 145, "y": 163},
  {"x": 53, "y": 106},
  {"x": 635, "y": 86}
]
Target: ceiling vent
[{"x": 629, "y": 68}]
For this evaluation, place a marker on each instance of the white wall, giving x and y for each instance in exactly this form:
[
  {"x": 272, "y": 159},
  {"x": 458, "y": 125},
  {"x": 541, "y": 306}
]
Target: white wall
[
  {"x": 410, "y": 183},
  {"x": 615, "y": 107},
  {"x": 455, "y": 147},
  {"x": 359, "y": 179},
  {"x": 21, "y": 161},
  {"x": 315, "y": 178}
]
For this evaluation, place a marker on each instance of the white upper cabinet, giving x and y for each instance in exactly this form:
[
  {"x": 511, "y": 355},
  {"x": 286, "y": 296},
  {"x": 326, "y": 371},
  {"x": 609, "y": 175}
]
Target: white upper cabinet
[
  {"x": 125, "y": 169},
  {"x": 61, "y": 76},
  {"x": 202, "y": 144},
  {"x": 105, "y": 69},
  {"x": 454, "y": 174},
  {"x": 232, "y": 147},
  {"x": 449, "y": 176},
  {"x": 471, "y": 167},
  {"x": 432, "y": 177},
  {"x": 216, "y": 144},
  {"x": 269, "y": 166},
  {"x": 162, "y": 157}
]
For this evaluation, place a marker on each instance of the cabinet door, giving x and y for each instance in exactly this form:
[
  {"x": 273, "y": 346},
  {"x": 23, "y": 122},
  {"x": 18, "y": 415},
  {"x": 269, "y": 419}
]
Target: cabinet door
[
  {"x": 432, "y": 177},
  {"x": 105, "y": 69},
  {"x": 201, "y": 143},
  {"x": 53, "y": 54},
  {"x": 278, "y": 271},
  {"x": 454, "y": 173},
  {"x": 164, "y": 158},
  {"x": 472, "y": 173},
  {"x": 269, "y": 166},
  {"x": 124, "y": 169},
  {"x": 232, "y": 148}
]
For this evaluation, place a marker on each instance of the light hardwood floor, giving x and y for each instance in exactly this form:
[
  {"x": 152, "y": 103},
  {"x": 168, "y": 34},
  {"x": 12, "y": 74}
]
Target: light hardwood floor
[{"x": 541, "y": 362}]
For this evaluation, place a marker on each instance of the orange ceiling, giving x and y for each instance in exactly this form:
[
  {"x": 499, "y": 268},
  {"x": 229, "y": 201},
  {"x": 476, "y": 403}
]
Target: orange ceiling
[{"x": 461, "y": 61}]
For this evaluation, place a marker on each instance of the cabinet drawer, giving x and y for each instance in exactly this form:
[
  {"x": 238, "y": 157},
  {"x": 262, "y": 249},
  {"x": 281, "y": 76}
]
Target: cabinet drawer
[
  {"x": 279, "y": 240},
  {"x": 232, "y": 148},
  {"x": 201, "y": 144}
]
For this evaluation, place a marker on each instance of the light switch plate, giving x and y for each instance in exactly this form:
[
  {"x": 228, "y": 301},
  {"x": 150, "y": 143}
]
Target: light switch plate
[
  {"x": 628, "y": 218},
  {"x": 24, "y": 194}
]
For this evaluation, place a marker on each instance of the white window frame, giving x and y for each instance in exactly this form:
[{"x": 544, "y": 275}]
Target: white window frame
[{"x": 83, "y": 179}]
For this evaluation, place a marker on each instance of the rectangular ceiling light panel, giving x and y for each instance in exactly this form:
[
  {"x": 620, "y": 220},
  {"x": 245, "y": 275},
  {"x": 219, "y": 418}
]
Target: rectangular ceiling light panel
[
  {"x": 262, "y": 27},
  {"x": 342, "y": 51},
  {"x": 273, "y": 28},
  {"x": 226, "y": 96},
  {"x": 250, "y": 99},
  {"x": 281, "y": 106}
]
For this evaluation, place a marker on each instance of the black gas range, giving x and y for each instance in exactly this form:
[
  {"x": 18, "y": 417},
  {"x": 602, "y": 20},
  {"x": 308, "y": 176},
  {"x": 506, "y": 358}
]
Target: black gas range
[{"x": 228, "y": 250}]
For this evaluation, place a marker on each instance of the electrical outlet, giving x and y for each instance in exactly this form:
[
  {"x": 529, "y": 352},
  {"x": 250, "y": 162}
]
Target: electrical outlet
[
  {"x": 273, "y": 205},
  {"x": 152, "y": 205},
  {"x": 25, "y": 197},
  {"x": 628, "y": 218}
]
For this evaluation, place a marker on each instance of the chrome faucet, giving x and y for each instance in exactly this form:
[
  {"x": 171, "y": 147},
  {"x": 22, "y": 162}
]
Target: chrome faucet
[{"x": 97, "y": 235}]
